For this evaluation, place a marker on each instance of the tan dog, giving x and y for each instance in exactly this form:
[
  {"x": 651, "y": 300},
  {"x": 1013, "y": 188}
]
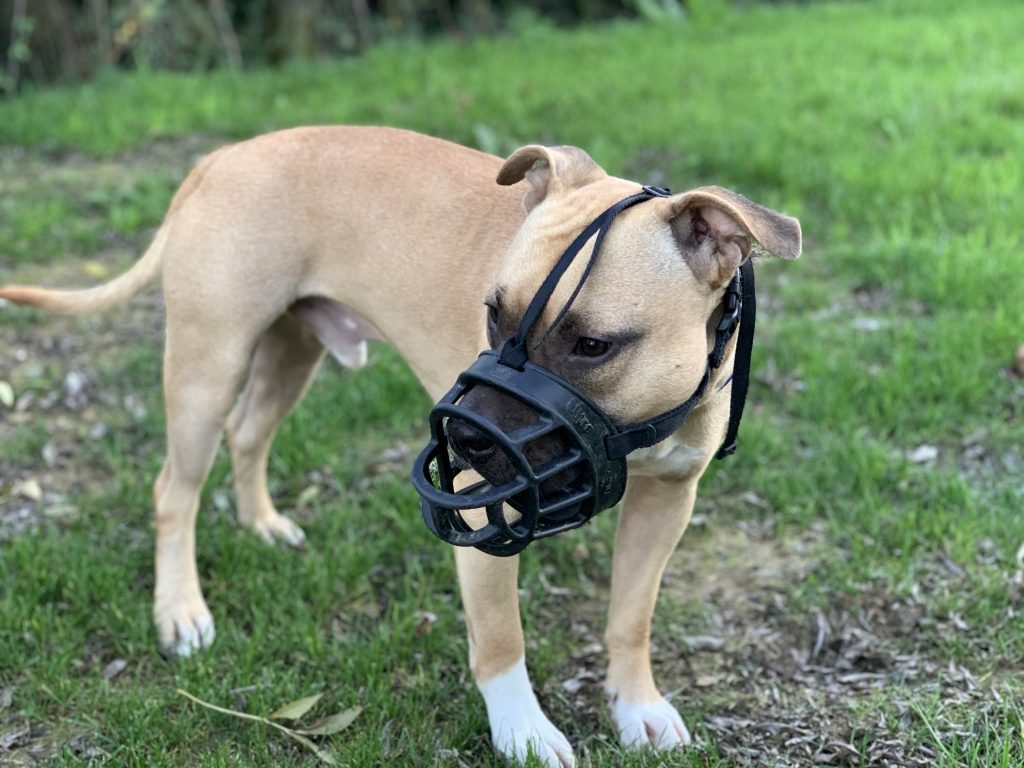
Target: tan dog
[{"x": 279, "y": 248}]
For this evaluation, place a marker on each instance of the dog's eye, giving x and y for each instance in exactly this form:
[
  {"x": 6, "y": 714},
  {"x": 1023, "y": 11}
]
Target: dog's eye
[{"x": 587, "y": 347}]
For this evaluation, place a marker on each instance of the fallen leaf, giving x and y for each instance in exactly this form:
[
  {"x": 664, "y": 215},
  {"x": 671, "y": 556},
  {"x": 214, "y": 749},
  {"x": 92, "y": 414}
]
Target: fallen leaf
[
  {"x": 95, "y": 269},
  {"x": 923, "y": 454},
  {"x": 307, "y": 495},
  {"x": 29, "y": 489},
  {"x": 81, "y": 747},
  {"x": 50, "y": 454},
  {"x": 867, "y": 324},
  {"x": 296, "y": 709},
  {"x": 221, "y": 499},
  {"x": 425, "y": 624},
  {"x": 114, "y": 668},
  {"x": 754, "y": 500},
  {"x": 12, "y": 739},
  {"x": 6, "y": 394},
  {"x": 323, "y": 755},
  {"x": 332, "y": 724},
  {"x": 572, "y": 685},
  {"x": 698, "y": 643},
  {"x": 60, "y": 511}
]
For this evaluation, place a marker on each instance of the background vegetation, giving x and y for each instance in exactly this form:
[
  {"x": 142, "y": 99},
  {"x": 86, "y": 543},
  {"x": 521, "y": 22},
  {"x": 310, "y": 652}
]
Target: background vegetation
[
  {"x": 70, "y": 40},
  {"x": 850, "y": 591}
]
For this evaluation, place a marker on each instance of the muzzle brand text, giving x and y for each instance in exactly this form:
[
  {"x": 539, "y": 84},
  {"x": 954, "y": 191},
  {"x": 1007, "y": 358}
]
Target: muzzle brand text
[{"x": 579, "y": 417}]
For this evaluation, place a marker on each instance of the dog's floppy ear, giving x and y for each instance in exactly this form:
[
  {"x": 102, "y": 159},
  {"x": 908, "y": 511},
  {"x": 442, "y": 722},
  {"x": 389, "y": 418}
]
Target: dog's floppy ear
[
  {"x": 714, "y": 228},
  {"x": 549, "y": 170}
]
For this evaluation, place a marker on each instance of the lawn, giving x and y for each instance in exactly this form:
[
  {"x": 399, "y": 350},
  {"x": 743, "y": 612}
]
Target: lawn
[{"x": 850, "y": 591}]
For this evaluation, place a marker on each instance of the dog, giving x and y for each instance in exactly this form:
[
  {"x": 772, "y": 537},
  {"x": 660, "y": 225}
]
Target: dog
[{"x": 300, "y": 242}]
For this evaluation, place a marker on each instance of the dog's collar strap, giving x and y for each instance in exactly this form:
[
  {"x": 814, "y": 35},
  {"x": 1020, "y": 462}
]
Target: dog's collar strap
[{"x": 738, "y": 309}]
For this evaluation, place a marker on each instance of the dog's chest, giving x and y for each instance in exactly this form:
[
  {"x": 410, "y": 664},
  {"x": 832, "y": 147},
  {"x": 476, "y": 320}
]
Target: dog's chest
[{"x": 668, "y": 458}]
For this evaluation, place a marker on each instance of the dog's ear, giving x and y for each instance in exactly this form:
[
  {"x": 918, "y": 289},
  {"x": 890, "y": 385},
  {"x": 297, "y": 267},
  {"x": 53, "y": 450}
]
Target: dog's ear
[
  {"x": 549, "y": 170},
  {"x": 714, "y": 228}
]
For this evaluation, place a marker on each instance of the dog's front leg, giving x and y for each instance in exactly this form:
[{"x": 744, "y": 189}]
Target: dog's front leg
[
  {"x": 497, "y": 658},
  {"x": 654, "y": 515}
]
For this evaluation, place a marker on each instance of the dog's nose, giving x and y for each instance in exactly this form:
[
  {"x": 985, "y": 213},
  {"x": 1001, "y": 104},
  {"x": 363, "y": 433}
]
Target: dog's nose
[{"x": 469, "y": 442}]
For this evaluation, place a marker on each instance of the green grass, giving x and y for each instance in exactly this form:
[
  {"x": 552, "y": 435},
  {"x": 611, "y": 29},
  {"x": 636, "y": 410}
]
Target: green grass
[{"x": 892, "y": 129}]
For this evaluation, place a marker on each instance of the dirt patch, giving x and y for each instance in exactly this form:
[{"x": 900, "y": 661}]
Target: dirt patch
[
  {"x": 176, "y": 154},
  {"x": 25, "y": 744},
  {"x": 768, "y": 681},
  {"x": 64, "y": 372},
  {"x": 780, "y": 686},
  {"x": 69, "y": 392}
]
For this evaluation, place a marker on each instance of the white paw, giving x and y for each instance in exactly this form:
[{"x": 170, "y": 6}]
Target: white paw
[
  {"x": 184, "y": 627},
  {"x": 655, "y": 723},
  {"x": 277, "y": 527},
  {"x": 531, "y": 733},
  {"x": 519, "y": 728}
]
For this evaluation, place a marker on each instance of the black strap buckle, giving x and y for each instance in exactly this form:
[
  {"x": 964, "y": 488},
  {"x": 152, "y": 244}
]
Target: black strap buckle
[
  {"x": 726, "y": 450},
  {"x": 731, "y": 305}
]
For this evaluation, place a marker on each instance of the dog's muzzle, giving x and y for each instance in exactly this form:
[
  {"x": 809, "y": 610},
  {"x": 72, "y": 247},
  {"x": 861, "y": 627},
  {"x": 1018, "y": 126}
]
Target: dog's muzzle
[
  {"x": 554, "y": 471},
  {"x": 559, "y": 494}
]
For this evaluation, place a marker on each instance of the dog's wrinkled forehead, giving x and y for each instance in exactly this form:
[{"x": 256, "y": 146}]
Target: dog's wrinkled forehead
[
  {"x": 566, "y": 190},
  {"x": 553, "y": 226},
  {"x": 681, "y": 248}
]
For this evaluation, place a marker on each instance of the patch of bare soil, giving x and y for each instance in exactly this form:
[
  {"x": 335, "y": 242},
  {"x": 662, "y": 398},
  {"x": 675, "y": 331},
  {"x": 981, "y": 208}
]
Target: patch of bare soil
[
  {"x": 54, "y": 167},
  {"x": 781, "y": 687},
  {"x": 60, "y": 401},
  {"x": 27, "y": 745},
  {"x": 63, "y": 403},
  {"x": 777, "y": 686}
]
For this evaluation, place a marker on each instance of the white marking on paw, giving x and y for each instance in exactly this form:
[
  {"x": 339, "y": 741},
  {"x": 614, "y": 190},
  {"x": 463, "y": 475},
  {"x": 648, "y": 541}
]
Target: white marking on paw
[
  {"x": 185, "y": 629},
  {"x": 278, "y": 528},
  {"x": 519, "y": 727},
  {"x": 640, "y": 724}
]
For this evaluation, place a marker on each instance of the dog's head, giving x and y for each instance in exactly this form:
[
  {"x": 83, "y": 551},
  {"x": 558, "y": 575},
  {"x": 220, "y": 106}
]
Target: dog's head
[{"x": 636, "y": 338}]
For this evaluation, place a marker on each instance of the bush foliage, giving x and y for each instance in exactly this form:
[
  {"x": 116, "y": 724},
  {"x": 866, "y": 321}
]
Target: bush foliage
[{"x": 48, "y": 41}]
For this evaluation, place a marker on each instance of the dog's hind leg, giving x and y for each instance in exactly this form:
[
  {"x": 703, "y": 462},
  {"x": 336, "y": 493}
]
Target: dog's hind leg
[
  {"x": 282, "y": 366},
  {"x": 202, "y": 374}
]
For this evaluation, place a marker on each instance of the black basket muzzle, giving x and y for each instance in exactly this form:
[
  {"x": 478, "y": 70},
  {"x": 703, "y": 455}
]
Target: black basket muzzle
[
  {"x": 565, "y": 490},
  {"x": 597, "y": 483}
]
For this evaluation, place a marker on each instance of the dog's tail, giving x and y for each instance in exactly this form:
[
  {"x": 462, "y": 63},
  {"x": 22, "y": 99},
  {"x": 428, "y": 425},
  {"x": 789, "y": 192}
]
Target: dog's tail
[{"x": 97, "y": 299}]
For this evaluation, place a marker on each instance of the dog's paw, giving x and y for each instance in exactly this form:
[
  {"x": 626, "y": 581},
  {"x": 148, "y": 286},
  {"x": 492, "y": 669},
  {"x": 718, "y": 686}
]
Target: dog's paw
[
  {"x": 277, "y": 528},
  {"x": 533, "y": 734},
  {"x": 654, "y": 723},
  {"x": 519, "y": 727},
  {"x": 184, "y": 628}
]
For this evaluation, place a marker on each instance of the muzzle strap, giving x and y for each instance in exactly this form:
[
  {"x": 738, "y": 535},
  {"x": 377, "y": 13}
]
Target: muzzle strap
[
  {"x": 645, "y": 434},
  {"x": 741, "y": 360}
]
